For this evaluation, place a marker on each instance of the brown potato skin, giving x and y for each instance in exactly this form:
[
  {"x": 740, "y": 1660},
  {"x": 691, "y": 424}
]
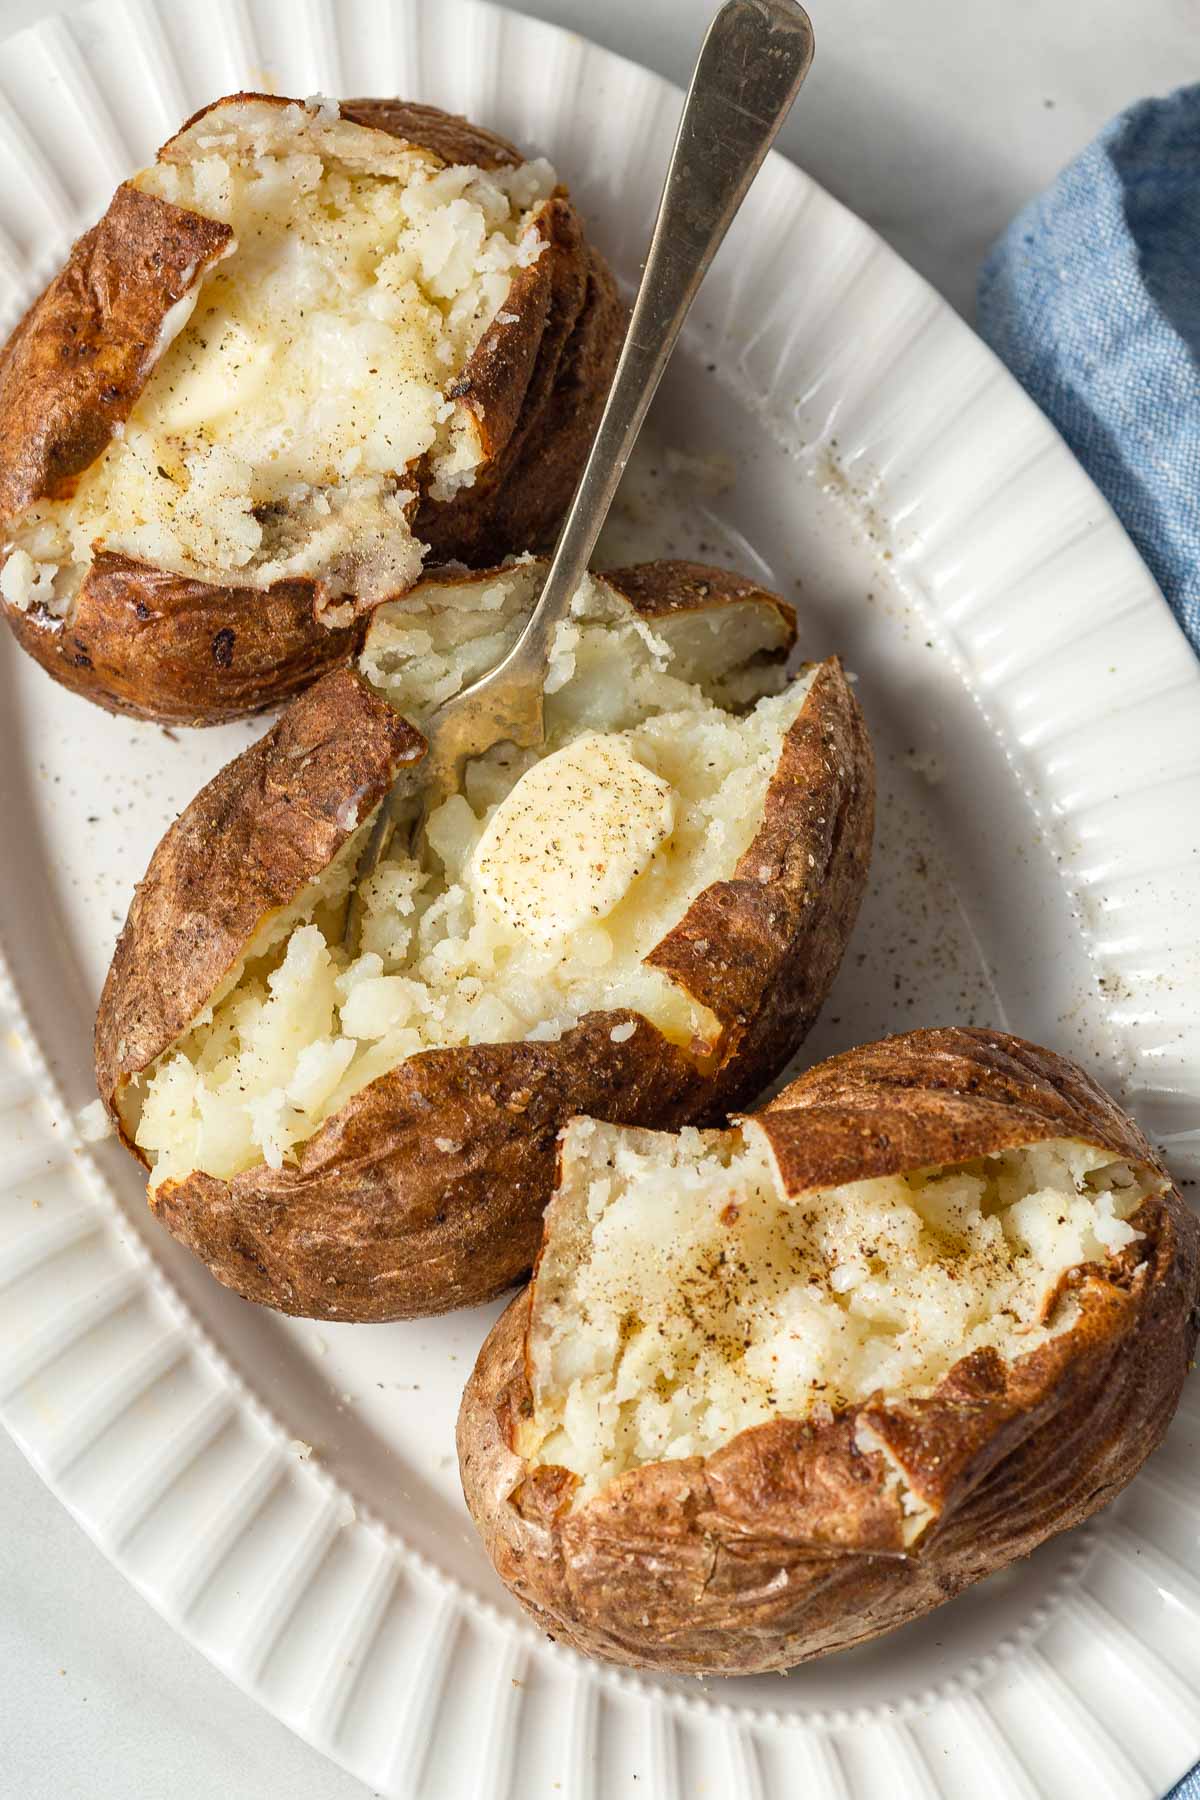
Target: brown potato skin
[
  {"x": 787, "y": 1543},
  {"x": 264, "y": 828},
  {"x": 154, "y": 645},
  {"x": 374, "y": 1221},
  {"x": 157, "y": 646},
  {"x": 536, "y": 388},
  {"x": 79, "y": 358}
]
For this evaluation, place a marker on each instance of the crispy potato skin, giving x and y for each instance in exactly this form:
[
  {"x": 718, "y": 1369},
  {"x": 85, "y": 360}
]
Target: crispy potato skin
[
  {"x": 426, "y": 1191},
  {"x": 79, "y": 358},
  {"x": 762, "y": 949},
  {"x": 154, "y": 645},
  {"x": 536, "y": 386},
  {"x": 672, "y": 585},
  {"x": 787, "y": 1543},
  {"x": 184, "y": 652},
  {"x": 264, "y": 828}
]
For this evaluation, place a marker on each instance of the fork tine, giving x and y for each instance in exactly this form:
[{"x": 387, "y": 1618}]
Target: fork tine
[{"x": 375, "y": 850}]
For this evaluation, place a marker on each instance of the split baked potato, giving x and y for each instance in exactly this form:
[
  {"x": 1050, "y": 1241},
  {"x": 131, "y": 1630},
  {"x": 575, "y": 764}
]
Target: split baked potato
[
  {"x": 639, "y": 921},
  {"x": 777, "y": 1389},
  {"x": 305, "y": 350}
]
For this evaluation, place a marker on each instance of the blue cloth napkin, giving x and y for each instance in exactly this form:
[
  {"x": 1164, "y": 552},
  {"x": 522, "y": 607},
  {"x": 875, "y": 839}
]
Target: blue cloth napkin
[
  {"x": 1189, "y": 1787},
  {"x": 1092, "y": 298}
]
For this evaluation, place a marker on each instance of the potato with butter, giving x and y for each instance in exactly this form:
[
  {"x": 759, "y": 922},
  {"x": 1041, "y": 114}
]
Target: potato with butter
[
  {"x": 638, "y": 921},
  {"x": 778, "y": 1389},
  {"x": 307, "y": 349}
]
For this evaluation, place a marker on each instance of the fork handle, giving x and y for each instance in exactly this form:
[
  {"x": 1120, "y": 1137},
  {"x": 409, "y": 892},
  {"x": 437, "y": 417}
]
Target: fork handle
[{"x": 751, "y": 64}]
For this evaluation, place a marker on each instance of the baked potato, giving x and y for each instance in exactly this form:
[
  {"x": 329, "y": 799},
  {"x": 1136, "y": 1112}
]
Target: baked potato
[
  {"x": 305, "y": 350},
  {"x": 639, "y": 921},
  {"x": 777, "y": 1389}
]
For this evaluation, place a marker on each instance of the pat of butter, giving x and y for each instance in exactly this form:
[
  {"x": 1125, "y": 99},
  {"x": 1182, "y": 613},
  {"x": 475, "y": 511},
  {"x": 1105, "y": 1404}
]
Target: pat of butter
[
  {"x": 565, "y": 846},
  {"x": 212, "y": 380}
]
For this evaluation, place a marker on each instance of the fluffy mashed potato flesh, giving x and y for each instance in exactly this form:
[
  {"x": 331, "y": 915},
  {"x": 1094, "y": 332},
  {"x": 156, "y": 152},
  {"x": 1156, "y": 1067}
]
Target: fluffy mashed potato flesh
[
  {"x": 682, "y": 1296},
  {"x": 515, "y": 922},
  {"x": 307, "y": 373}
]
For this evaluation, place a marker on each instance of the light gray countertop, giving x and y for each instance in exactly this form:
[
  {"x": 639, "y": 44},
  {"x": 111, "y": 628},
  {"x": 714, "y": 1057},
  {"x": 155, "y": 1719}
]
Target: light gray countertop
[{"x": 935, "y": 120}]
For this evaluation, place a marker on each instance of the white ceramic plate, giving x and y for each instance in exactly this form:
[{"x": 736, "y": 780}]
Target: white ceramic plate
[{"x": 286, "y": 1493}]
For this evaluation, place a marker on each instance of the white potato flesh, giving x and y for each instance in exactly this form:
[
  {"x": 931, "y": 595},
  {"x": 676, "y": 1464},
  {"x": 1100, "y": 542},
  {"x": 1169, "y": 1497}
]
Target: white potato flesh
[
  {"x": 682, "y": 1296},
  {"x": 307, "y": 371},
  {"x": 301, "y": 1026}
]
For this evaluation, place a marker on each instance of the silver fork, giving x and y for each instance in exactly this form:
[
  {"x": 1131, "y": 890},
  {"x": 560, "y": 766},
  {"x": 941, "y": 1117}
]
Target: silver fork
[{"x": 753, "y": 59}]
